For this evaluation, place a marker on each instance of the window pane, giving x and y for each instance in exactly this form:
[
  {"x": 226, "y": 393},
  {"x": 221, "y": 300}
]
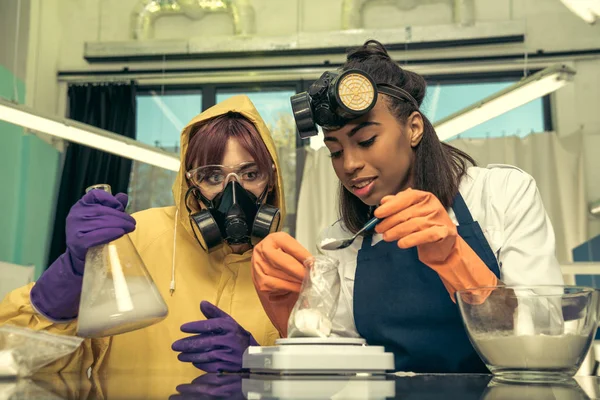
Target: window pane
[
  {"x": 443, "y": 100},
  {"x": 160, "y": 119},
  {"x": 275, "y": 109}
]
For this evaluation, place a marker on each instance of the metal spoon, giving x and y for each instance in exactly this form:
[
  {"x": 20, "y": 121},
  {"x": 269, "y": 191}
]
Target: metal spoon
[{"x": 343, "y": 243}]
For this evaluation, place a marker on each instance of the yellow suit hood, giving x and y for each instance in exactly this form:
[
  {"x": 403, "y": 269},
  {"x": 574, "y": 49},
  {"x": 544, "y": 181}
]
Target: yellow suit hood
[{"x": 244, "y": 106}]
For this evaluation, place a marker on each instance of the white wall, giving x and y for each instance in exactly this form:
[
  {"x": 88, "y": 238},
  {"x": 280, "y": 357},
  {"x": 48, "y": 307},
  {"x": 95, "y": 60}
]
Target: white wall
[
  {"x": 65, "y": 25},
  {"x": 550, "y": 25},
  {"x": 47, "y": 40},
  {"x": 577, "y": 108}
]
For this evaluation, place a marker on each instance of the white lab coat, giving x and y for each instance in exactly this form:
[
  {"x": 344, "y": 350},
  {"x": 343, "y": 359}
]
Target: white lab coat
[{"x": 506, "y": 203}]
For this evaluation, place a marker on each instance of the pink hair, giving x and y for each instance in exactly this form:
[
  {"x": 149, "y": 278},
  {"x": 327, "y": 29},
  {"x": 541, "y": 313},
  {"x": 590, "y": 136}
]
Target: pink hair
[{"x": 209, "y": 138}]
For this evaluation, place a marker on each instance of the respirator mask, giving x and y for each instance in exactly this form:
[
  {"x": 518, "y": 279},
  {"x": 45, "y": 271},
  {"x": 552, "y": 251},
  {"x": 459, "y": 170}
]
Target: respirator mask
[
  {"x": 233, "y": 213},
  {"x": 337, "y": 98}
]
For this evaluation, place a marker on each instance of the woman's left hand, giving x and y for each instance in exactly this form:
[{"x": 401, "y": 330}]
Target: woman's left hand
[
  {"x": 417, "y": 218},
  {"x": 218, "y": 343}
]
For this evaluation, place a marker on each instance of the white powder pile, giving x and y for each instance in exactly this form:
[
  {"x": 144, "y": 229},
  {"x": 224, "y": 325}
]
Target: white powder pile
[
  {"x": 532, "y": 351},
  {"x": 311, "y": 323},
  {"x": 405, "y": 374}
]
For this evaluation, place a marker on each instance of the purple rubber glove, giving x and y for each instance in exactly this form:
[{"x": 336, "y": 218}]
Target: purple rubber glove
[
  {"x": 219, "y": 343},
  {"x": 97, "y": 218},
  {"x": 211, "y": 386}
]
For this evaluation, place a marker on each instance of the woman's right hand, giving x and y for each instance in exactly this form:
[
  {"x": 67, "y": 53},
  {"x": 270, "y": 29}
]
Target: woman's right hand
[
  {"x": 97, "y": 218},
  {"x": 277, "y": 273}
]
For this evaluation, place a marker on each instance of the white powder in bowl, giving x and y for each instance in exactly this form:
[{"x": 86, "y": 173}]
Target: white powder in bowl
[{"x": 532, "y": 351}]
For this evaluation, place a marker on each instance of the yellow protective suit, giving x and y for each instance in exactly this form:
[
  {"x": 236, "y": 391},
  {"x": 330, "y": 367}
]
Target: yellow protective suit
[{"x": 220, "y": 277}]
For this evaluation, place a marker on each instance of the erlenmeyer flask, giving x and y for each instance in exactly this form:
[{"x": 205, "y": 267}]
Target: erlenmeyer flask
[{"x": 118, "y": 294}]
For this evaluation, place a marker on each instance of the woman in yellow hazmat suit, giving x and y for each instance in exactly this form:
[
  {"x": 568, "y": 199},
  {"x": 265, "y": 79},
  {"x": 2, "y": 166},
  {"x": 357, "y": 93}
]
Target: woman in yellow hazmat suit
[{"x": 188, "y": 265}]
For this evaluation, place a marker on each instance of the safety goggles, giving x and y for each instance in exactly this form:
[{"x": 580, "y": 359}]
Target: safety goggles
[{"x": 211, "y": 179}]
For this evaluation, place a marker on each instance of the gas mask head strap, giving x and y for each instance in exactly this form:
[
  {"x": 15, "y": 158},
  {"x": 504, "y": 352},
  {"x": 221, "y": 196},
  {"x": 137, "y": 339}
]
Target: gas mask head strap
[
  {"x": 263, "y": 195},
  {"x": 398, "y": 93}
]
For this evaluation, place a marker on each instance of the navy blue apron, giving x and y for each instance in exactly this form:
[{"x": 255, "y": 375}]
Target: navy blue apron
[{"x": 402, "y": 304}]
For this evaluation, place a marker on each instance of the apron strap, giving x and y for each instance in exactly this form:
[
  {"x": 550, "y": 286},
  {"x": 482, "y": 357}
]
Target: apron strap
[
  {"x": 463, "y": 215},
  {"x": 367, "y": 240}
]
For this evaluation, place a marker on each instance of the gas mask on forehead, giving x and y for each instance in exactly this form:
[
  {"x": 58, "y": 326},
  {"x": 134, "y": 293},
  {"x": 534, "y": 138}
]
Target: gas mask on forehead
[
  {"x": 234, "y": 215},
  {"x": 337, "y": 98}
]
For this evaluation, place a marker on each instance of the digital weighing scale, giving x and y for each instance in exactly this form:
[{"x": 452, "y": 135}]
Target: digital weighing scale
[
  {"x": 318, "y": 356},
  {"x": 300, "y": 387}
]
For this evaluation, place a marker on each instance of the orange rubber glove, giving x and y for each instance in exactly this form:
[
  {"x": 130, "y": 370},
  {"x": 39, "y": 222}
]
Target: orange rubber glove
[
  {"x": 417, "y": 218},
  {"x": 277, "y": 273}
]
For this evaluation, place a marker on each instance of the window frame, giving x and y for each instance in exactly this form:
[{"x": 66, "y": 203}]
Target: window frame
[{"x": 209, "y": 95}]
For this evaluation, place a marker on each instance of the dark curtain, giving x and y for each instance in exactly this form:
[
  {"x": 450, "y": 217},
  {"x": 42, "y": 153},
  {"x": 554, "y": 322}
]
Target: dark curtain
[{"x": 108, "y": 106}]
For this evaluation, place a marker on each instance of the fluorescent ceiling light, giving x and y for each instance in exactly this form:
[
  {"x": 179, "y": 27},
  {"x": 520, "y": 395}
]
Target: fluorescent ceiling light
[
  {"x": 588, "y": 10},
  {"x": 86, "y": 135},
  {"x": 522, "y": 92}
]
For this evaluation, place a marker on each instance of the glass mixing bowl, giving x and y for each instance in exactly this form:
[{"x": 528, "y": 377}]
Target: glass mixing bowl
[{"x": 530, "y": 333}]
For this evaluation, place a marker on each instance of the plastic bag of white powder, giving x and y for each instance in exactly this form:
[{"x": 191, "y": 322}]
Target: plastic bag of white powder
[
  {"x": 317, "y": 303},
  {"x": 24, "y": 351}
]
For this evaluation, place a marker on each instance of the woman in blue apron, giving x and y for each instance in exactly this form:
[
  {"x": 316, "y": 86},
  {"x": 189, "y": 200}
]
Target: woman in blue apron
[{"x": 446, "y": 225}]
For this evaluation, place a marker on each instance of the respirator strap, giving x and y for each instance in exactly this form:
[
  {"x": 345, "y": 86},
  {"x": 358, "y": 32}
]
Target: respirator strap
[
  {"x": 262, "y": 196},
  {"x": 189, "y": 210}
]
